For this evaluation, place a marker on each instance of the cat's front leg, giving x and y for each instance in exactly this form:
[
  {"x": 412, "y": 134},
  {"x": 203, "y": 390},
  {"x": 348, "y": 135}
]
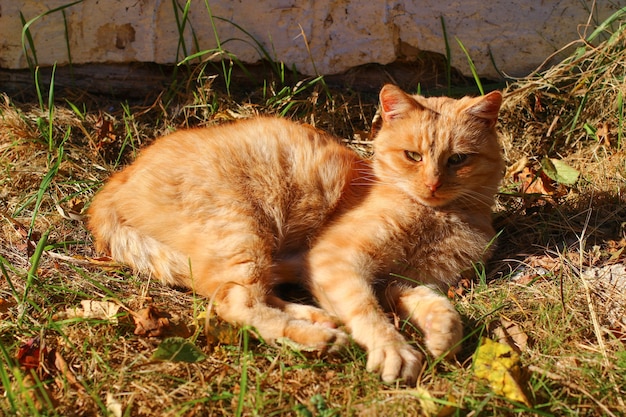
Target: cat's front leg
[
  {"x": 433, "y": 314},
  {"x": 348, "y": 295}
]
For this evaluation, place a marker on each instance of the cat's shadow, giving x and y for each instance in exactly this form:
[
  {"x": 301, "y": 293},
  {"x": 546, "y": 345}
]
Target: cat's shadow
[{"x": 554, "y": 228}]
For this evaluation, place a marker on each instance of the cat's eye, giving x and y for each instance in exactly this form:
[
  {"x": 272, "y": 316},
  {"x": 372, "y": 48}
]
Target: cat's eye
[
  {"x": 457, "y": 159},
  {"x": 413, "y": 156}
]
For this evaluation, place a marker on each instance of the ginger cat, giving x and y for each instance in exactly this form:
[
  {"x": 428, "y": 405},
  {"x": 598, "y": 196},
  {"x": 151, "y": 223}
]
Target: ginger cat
[{"x": 231, "y": 211}]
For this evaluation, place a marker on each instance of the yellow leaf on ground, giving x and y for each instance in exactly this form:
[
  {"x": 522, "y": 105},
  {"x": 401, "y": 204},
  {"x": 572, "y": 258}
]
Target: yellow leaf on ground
[
  {"x": 427, "y": 401},
  {"x": 218, "y": 332},
  {"x": 500, "y": 365}
]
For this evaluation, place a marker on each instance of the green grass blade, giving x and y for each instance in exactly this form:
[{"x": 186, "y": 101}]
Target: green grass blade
[
  {"x": 574, "y": 123},
  {"x": 76, "y": 110},
  {"x": 51, "y": 111},
  {"x": 448, "y": 55},
  {"x": 43, "y": 187},
  {"x": 259, "y": 46},
  {"x": 181, "y": 24},
  {"x": 620, "y": 120},
  {"x": 198, "y": 54},
  {"x": 243, "y": 384},
  {"x": 27, "y": 37},
  {"x": 4, "y": 378},
  {"x": 225, "y": 72},
  {"x": 6, "y": 276},
  {"x": 36, "y": 258},
  {"x": 604, "y": 26},
  {"x": 129, "y": 125},
  {"x": 479, "y": 84},
  {"x": 38, "y": 88},
  {"x": 67, "y": 44},
  {"x": 32, "y": 272},
  {"x": 495, "y": 66}
]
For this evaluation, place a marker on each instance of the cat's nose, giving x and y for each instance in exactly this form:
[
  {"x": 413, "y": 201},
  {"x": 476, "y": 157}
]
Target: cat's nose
[{"x": 433, "y": 185}]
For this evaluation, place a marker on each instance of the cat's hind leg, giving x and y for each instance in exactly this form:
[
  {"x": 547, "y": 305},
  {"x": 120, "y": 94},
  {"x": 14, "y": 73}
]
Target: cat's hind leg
[
  {"x": 126, "y": 244},
  {"x": 304, "y": 312},
  {"x": 248, "y": 305},
  {"x": 238, "y": 274},
  {"x": 432, "y": 313}
]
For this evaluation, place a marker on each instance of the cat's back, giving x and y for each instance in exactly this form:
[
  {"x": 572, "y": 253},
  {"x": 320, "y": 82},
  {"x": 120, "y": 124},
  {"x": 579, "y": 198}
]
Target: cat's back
[
  {"x": 286, "y": 175},
  {"x": 262, "y": 156},
  {"x": 267, "y": 143}
]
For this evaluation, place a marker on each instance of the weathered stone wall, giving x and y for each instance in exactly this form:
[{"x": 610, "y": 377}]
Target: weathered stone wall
[{"x": 320, "y": 36}]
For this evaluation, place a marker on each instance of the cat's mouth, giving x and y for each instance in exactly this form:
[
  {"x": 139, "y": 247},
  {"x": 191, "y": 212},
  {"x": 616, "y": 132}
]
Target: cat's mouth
[
  {"x": 440, "y": 197},
  {"x": 434, "y": 200}
]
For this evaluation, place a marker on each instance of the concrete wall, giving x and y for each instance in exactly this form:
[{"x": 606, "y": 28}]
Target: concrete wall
[{"x": 320, "y": 36}]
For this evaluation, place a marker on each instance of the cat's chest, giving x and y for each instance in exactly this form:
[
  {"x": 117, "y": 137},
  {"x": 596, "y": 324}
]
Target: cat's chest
[{"x": 437, "y": 247}]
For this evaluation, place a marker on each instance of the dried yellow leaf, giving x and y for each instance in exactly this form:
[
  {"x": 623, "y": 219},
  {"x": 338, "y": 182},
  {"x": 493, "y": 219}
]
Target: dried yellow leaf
[{"x": 500, "y": 365}]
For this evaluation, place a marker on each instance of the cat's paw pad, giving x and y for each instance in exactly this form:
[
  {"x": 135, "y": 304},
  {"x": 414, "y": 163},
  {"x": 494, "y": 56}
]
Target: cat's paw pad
[
  {"x": 442, "y": 328},
  {"x": 395, "y": 360}
]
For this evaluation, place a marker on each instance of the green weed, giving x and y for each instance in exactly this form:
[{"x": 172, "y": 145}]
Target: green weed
[
  {"x": 28, "y": 45},
  {"x": 448, "y": 56},
  {"x": 470, "y": 61}
]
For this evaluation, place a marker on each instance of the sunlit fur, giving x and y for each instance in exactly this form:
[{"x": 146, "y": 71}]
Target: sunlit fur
[{"x": 233, "y": 210}]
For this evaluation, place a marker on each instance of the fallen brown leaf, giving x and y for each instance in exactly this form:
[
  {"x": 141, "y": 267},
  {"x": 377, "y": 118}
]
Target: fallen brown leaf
[
  {"x": 62, "y": 367},
  {"x": 537, "y": 187},
  {"x": 30, "y": 242},
  {"x": 511, "y": 334},
  {"x": 151, "y": 322},
  {"x": 5, "y": 305},
  {"x": 517, "y": 167},
  {"x": 105, "y": 310},
  {"x": 544, "y": 261},
  {"x": 72, "y": 210},
  {"x": 615, "y": 250},
  {"x": 30, "y": 353},
  {"x": 459, "y": 289},
  {"x": 604, "y": 134},
  {"x": 536, "y": 182},
  {"x": 537, "y": 267}
]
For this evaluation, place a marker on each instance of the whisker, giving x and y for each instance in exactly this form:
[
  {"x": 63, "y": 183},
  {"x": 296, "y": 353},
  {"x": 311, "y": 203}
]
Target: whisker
[
  {"x": 474, "y": 197},
  {"x": 373, "y": 179}
]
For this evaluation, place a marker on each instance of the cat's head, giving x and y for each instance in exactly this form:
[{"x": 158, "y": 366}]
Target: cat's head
[{"x": 440, "y": 150}]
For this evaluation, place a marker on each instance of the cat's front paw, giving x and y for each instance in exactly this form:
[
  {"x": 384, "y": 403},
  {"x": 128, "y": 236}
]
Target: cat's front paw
[
  {"x": 442, "y": 327},
  {"x": 435, "y": 315},
  {"x": 395, "y": 359}
]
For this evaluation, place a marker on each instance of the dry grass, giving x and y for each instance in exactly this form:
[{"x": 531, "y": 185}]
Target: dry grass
[{"x": 574, "y": 355}]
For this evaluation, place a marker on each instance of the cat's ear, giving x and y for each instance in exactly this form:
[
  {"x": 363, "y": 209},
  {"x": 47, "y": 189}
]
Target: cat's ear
[
  {"x": 395, "y": 103},
  {"x": 487, "y": 107}
]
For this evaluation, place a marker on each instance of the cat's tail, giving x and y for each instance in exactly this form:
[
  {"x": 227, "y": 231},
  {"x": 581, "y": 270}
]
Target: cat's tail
[{"x": 126, "y": 244}]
